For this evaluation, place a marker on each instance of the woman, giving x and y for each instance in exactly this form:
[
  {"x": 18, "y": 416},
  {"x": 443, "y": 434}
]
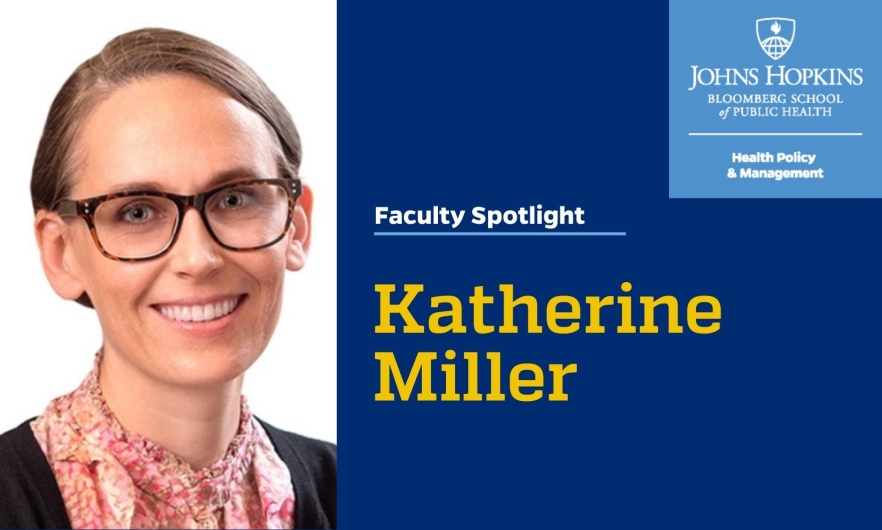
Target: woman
[{"x": 167, "y": 197}]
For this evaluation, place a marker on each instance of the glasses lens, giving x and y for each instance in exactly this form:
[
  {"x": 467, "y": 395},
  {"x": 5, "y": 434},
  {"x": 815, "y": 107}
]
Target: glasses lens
[
  {"x": 250, "y": 215},
  {"x": 137, "y": 226}
]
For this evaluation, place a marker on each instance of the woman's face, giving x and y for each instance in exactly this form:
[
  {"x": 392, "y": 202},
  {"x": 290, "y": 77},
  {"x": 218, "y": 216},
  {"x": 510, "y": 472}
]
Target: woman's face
[{"x": 183, "y": 136}]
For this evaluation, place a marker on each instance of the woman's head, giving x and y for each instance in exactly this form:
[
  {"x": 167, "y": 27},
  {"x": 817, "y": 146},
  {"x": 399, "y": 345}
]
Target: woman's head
[
  {"x": 160, "y": 111},
  {"x": 140, "y": 55}
]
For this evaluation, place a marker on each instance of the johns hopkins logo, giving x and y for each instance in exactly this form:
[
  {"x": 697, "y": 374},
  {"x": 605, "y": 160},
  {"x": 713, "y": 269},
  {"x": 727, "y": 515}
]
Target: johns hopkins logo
[{"x": 775, "y": 35}]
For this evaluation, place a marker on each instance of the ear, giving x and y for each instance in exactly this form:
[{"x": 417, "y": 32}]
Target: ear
[
  {"x": 56, "y": 254},
  {"x": 299, "y": 233}
]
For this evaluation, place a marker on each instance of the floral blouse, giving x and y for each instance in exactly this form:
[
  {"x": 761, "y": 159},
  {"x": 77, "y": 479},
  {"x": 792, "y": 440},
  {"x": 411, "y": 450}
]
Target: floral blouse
[{"x": 111, "y": 478}]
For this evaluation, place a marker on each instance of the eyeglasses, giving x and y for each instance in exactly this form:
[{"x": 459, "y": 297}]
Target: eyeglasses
[{"x": 142, "y": 225}]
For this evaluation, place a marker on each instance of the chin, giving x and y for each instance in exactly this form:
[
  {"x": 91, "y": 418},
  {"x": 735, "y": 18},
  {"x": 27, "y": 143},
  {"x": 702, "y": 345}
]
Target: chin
[{"x": 207, "y": 367}]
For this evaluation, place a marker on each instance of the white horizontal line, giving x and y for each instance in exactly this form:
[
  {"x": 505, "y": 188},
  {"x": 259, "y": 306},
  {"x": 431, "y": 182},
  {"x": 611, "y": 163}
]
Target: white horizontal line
[
  {"x": 499, "y": 233},
  {"x": 778, "y": 134}
]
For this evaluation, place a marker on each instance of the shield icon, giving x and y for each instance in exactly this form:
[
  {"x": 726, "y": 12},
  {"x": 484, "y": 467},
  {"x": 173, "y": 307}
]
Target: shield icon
[{"x": 775, "y": 35}]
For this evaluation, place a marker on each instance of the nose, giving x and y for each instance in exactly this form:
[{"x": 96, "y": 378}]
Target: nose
[{"x": 195, "y": 253}]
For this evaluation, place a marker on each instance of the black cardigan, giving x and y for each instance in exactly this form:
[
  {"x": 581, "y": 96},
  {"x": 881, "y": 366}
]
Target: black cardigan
[{"x": 30, "y": 498}]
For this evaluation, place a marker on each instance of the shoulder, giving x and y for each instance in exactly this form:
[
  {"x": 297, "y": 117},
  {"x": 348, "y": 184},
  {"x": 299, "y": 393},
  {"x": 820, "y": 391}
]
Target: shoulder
[
  {"x": 313, "y": 467},
  {"x": 29, "y": 495},
  {"x": 316, "y": 454},
  {"x": 11, "y": 441},
  {"x": 20, "y": 454}
]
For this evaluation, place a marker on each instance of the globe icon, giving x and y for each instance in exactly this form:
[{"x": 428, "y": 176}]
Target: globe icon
[{"x": 775, "y": 46}]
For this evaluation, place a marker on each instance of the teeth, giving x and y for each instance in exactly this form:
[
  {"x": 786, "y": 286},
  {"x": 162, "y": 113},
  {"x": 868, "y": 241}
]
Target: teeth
[{"x": 199, "y": 313}]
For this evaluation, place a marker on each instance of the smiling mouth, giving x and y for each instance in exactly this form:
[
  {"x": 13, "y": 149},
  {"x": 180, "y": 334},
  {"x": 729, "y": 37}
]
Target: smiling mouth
[{"x": 200, "y": 312}]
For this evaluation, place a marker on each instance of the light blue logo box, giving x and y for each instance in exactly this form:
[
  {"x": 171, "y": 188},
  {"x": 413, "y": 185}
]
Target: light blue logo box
[{"x": 774, "y": 99}]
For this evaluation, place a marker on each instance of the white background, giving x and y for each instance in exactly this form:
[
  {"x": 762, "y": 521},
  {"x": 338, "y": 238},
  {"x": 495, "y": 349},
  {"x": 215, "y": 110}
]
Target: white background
[{"x": 49, "y": 344}]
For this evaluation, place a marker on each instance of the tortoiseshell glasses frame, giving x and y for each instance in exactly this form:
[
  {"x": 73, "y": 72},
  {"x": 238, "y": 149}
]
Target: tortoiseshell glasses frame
[{"x": 86, "y": 208}]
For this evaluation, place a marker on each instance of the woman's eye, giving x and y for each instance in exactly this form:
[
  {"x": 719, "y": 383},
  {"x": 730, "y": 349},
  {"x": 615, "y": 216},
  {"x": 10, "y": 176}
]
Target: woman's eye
[
  {"x": 136, "y": 213},
  {"x": 235, "y": 199},
  {"x": 232, "y": 199}
]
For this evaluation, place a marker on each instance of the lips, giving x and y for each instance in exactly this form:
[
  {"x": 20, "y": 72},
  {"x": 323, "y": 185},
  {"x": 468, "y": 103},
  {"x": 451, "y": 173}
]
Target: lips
[{"x": 202, "y": 312}]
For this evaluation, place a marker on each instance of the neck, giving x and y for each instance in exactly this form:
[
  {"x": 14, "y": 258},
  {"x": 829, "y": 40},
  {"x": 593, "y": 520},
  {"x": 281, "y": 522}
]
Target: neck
[{"x": 196, "y": 424}]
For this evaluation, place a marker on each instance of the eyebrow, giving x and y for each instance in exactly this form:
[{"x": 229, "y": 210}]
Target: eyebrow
[{"x": 219, "y": 179}]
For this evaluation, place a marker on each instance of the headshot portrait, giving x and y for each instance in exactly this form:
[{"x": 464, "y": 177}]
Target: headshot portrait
[{"x": 172, "y": 245}]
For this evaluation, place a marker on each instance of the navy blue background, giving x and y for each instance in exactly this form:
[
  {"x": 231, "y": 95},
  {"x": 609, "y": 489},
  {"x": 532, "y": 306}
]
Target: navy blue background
[{"x": 772, "y": 421}]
